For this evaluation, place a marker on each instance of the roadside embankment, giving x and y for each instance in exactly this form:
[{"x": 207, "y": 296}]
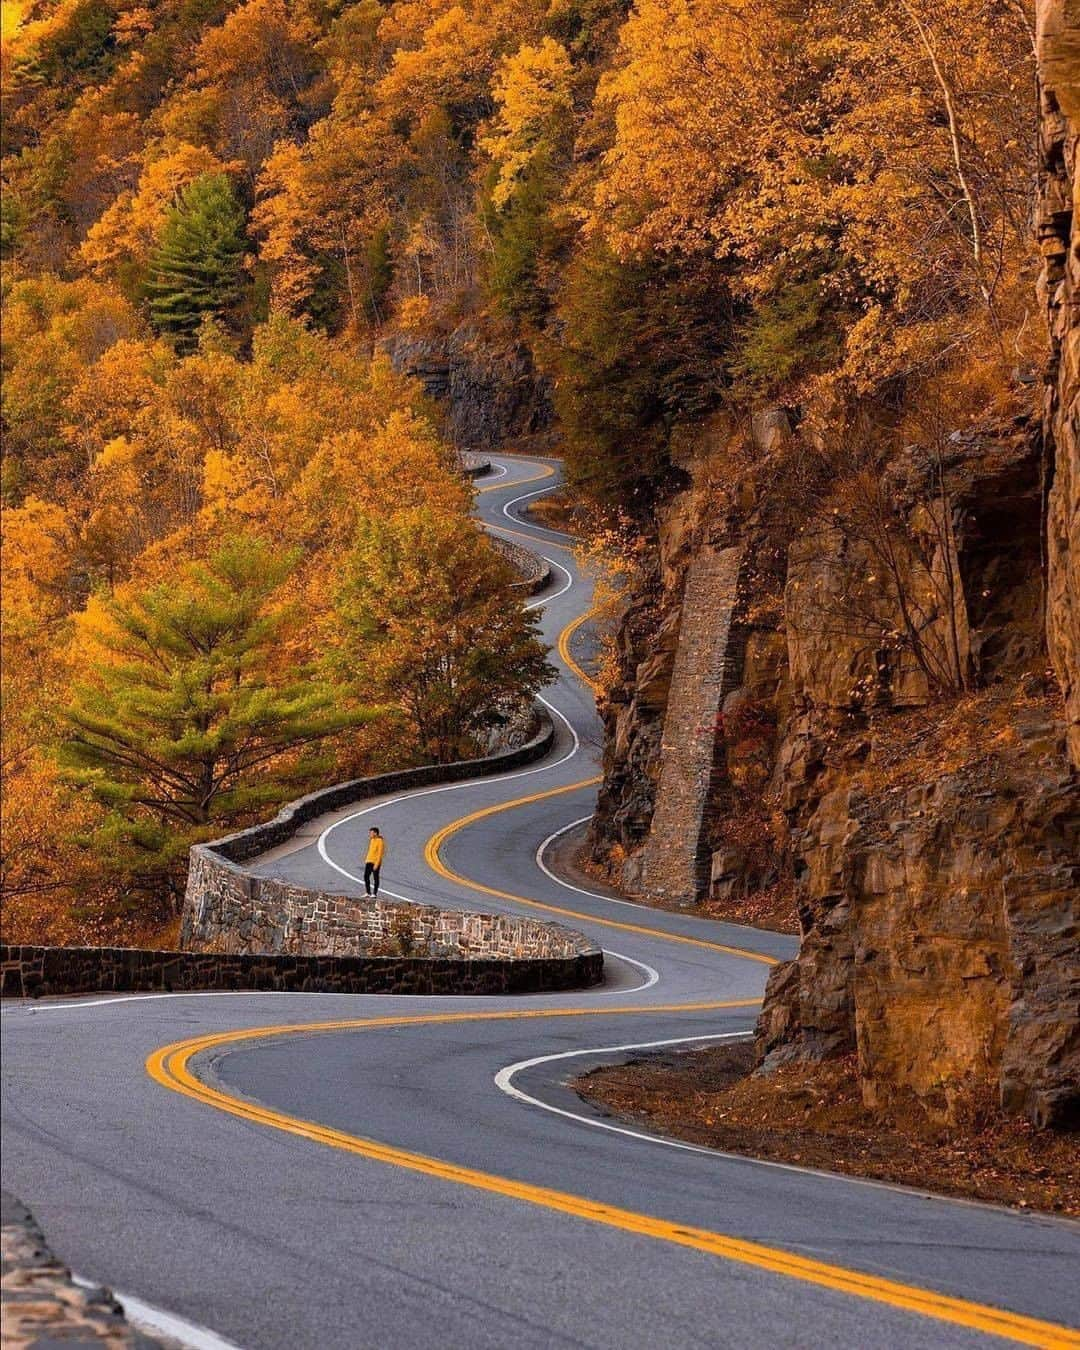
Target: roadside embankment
[{"x": 814, "y": 1116}]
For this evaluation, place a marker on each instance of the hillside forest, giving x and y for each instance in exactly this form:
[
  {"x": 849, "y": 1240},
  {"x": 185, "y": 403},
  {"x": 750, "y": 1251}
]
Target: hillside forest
[{"x": 224, "y": 505}]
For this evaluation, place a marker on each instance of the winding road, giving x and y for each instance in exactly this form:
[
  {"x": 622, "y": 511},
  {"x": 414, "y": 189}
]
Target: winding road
[{"x": 287, "y": 1171}]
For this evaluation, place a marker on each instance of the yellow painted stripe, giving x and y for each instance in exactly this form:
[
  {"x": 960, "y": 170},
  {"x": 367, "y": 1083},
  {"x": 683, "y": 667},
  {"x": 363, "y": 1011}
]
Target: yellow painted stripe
[
  {"x": 536, "y": 477},
  {"x": 170, "y": 1066},
  {"x": 532, "y": 538},
  {"x": 563, "y": 645},
  {"x": 435, "y": 862}
]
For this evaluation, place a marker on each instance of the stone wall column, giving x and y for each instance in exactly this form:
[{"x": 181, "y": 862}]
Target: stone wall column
[{"x": 675, "y": 859}]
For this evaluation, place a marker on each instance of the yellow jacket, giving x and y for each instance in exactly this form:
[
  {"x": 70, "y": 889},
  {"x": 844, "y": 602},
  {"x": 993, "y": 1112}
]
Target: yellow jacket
[{"x": 376, "y": 849}]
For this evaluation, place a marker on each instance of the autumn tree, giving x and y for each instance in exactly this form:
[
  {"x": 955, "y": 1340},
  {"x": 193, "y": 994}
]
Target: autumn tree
[
  {"x": 643, "y": 343},
  {"x": 39, "y": 863},
  {"x": 183, "y": 705},
  {"x": 54, "y": 334},
  {"x": 253, "y": 82},
  {"x": 321, "y": 209},
  {"x": 859, "y": 165},
  {"x": 122, "y": 239},
  {"x": 533, "y": 105},
  {"x": 197, "y": 269},
  {"x": 528, "y": 141},
  {"x": 682, "y": 208},
  {"x": 432, "y": 624}
]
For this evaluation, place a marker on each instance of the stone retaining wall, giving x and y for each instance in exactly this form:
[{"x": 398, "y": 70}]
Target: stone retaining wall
[
  {"x": 35, "y": 972},
  {"x": 272, "y": 916},
  {"x": 230, "y": 912},
  {"x": 241, "y": 931},
  {"x": 475, "y": 466},
  {"x": 43, "y": 1306},
  {"x": 535, "y": 571}
]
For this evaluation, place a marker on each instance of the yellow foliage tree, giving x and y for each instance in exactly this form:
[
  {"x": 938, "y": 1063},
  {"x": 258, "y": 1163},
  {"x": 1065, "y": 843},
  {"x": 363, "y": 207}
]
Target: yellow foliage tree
[
  {"x": 876, "y": 161},
  {"x": 533, "y": 105},
  {"x": 320, "y": 204}
]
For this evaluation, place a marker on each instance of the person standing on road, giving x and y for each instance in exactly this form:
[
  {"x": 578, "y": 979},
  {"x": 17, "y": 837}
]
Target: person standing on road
[{"x": 373, "y": 862}]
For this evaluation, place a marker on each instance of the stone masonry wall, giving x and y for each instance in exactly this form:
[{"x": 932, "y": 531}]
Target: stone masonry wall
[
  {"x": 265, "y": 915},
  {"x": 535, "y": 572},
  {"x": 246, "y": 844},
  {"x": 37, "y": 972},
  {"x": 228, "y": 911},
  {"x": 42, "y": 1304},
  {"x": 675, "y": 861}
]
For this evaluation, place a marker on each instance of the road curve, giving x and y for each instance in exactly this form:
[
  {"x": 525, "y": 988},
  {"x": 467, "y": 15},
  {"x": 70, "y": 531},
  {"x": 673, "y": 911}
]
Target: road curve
[{"x": 292, "y": 1170}]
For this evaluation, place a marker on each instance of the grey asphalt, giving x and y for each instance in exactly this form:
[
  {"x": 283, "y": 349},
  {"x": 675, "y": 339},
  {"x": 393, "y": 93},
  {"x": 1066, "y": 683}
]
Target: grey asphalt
[{"x": 274, "y": 1241}]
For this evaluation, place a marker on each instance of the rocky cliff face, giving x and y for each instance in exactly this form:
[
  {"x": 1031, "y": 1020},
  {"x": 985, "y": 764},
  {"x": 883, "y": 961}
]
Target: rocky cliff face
[
  {"x": 1059, "y": 240},
  {"x": 919, "y": 792},
  {"x": 487, "y": 385},
  {"x": 937, "y": 887}
]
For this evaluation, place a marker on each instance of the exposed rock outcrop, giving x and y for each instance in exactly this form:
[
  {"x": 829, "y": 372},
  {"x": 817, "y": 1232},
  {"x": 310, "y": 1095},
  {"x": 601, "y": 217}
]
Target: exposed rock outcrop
[
  {"x": 937, "y": 858},
  {"x": 1059, "y": 242},
  {"x": 487, "y": 385},
  {"x": 932, "y": 820},
  {"x": 940, "y": 934}
]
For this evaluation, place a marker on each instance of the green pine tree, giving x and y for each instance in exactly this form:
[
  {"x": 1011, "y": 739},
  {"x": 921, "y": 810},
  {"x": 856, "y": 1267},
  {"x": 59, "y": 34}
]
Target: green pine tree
[
  {"x": 189, "y": 714},
  {"x": 197, "y": 269}
]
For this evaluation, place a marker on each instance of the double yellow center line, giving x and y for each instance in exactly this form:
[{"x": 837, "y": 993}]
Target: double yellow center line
[
  {"x": 171, "y": 1067},
  {"x": 433, "y": 858}
]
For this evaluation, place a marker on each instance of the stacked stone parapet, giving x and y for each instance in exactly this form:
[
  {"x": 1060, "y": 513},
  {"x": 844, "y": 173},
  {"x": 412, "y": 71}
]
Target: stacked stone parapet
[
  {"x": 38, "y": 972},
  {"x": 230, "y": 911},
  {"x": 534, "y": 571}
]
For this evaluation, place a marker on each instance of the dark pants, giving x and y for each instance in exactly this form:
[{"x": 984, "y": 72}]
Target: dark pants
[{"x": 371, "y": 875}]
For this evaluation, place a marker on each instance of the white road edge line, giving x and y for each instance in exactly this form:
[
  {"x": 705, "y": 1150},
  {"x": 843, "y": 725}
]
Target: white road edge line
[
  {"x": 145, "y": 1317},
  {"x": 76, "y": 1004},
  {"x": 73, "y": 1004},
  {"x": 596, "y": 895},
  {"x": 504, "y": 1082},
  {"x": 540, "y": 492},
  {"x": 651, "y": 976},
  {"x": 545, "y": 599},
  {"x": 566, "y": 885},
  {"x": 446, "y": 787}
]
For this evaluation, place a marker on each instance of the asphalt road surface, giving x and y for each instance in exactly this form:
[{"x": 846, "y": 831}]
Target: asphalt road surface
[{"x": 413, "y": 1172}]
